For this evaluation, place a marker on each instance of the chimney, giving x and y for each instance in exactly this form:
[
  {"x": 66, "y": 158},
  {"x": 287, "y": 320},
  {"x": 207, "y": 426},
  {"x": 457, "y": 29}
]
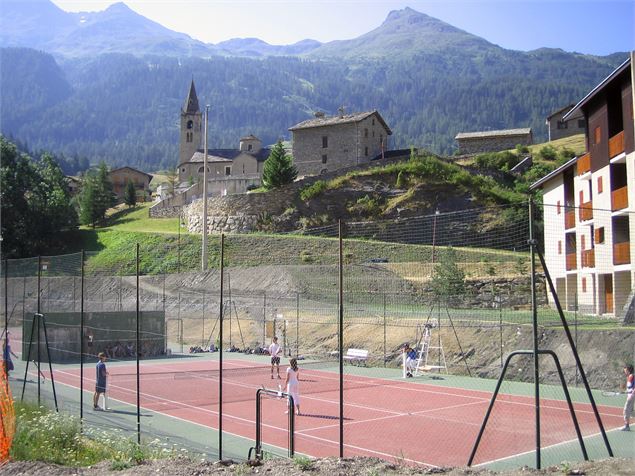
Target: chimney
[{"x": 341, "y": 111}]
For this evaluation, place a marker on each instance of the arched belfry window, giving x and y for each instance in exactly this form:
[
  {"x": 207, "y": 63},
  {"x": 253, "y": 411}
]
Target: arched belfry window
[{"x": 190, "y": 124}]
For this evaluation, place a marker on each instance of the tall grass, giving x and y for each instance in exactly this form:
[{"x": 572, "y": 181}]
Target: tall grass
[{"x": 42, "y": 435}]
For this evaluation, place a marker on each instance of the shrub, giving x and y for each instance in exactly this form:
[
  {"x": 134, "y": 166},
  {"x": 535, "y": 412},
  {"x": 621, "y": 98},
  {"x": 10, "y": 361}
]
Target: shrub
[
  {"x": 548, "y": 152},
  {"x": 313, "y": 190}
]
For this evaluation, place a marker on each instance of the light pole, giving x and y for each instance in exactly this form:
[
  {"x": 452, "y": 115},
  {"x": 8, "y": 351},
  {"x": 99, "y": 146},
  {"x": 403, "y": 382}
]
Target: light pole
[{"x": 204, "y": 253}]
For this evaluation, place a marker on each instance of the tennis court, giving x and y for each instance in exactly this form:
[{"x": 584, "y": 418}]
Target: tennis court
[{"x": 421, "y": 422}]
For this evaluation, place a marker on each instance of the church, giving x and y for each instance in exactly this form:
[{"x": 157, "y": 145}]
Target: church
[{"x": 229, "y": 171}]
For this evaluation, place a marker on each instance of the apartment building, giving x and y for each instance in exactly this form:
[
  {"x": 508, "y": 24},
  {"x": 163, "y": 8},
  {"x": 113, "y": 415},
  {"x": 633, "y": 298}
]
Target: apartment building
[{"x": 589, "y": 204}]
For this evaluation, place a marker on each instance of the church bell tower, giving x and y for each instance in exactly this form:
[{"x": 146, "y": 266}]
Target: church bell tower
[{"x": 191, "y": 126}]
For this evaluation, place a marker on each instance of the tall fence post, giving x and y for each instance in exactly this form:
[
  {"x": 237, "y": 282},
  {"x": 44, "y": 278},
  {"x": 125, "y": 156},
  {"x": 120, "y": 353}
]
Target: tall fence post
[
  {"x": 138, "y": 338},
  {"x": 297, "y": 324},
  {"x": 534, "y": 313},
  {"x": 384, "y": 296},
  {"x": 220, "y": 355},
  {"x": 6, "y": 316},
  {"x": 81, "y": 340},
  {"x": 340, "y": 334}
]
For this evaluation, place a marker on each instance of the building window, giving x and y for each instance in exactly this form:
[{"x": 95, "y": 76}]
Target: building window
[
  {"x": 228, "y": 170},
  {"x": 188, "y": 137},
  {"x": 365, "y": 132},
  {"x": 324, "y": 159},
  {"x": 325, "y": 142},
  {"x": 600, "y": 185},
  {"x": 583, "y": 285},
  {"x": 250, "y": 146},
  {"x": 190, "y": 124},
  {"x": 366, "y": 151},
  {"x": 201, "y": 170},
  {"x": 558, "y": 207},
  {"x": 183, "y": 170},
  {"x": 582, "y": 242},
  {"x": 597, "y": 135},
  {"x": 559, "y": 247},
  {"x": 581, "y": 123},
  {"x": 599, "y": 235},
  {"x": 562, "y": 125},
  {"x": 373, "y": 121},
  {"x": 243, "y": 169}
]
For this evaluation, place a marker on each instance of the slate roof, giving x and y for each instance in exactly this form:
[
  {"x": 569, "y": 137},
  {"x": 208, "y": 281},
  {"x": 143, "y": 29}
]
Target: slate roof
[
  {"x": 132, "y": 169},
  {"x": 335, "y": 120},
  {"x": 191, "y": 101},
  {"x": 503, "y": 133},
  {"x": 225, "y": 155}
]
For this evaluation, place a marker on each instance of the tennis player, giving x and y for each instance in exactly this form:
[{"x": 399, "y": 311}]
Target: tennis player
[
  {"x": 274, "y": 352},
  {"x": 100, "y": 384},
  {"x": 630, "y": 397},
  {"x": 293, "y": 384}
]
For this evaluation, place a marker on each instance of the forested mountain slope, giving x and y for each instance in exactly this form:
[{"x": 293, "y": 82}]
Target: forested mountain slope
[{"x": 428, "y": 79}]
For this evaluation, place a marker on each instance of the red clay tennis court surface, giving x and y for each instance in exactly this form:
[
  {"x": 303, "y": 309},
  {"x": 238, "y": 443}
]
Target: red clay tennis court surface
[{"x": 416, "y": 423}]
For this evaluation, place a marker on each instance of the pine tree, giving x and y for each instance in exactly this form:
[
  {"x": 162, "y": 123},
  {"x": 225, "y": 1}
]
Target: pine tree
[
  {"x": 105, "y": 196},
  {"x": 88, "y": 202},
  {"x": 279, "y": 169},
  {"x": 448, "y": 282},
  {"x": 130, "y": 195}
]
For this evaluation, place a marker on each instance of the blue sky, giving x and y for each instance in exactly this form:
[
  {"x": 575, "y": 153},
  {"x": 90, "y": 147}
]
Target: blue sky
[{"x": 585, "y": 26}]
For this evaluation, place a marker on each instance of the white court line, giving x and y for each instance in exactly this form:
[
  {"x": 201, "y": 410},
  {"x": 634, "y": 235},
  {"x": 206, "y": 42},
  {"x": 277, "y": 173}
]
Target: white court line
[
  {"x": 542, "y": 448},
  {"x": 401, "y": 414}
]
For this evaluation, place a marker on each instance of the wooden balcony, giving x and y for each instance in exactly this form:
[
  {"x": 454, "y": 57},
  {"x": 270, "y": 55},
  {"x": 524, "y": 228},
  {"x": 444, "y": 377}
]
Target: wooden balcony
[
  {"x": 569, "y": 219},
  {"x": 571, "y": 262},
  {"x": 619, "y": 198},
  {"x": 588, "y": 258},
  {"x": 621, "y": 253},
  {"x": 616, "y": 145},
  {"x": 584, "y": 163},
  {"x": 586, "y": 211}
]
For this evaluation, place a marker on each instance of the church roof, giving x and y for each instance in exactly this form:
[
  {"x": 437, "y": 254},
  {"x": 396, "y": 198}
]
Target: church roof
[
  {"x": 191, "y": 102},
  {"x": 225, "y": 155}
]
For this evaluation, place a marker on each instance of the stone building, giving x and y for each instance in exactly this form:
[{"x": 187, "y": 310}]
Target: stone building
[
  {"x": 191, "y": 126},
  {"x": 120, "y": 178},
  {"x": 325, "y": 143},
  {"x": 228, "y": 170},
  {"x": 492, "y": 141},
  {"x": 558, "y": 127}
]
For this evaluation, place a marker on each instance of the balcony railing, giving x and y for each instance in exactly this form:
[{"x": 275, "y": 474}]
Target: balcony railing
[
  {"x": 586, "y": 211},
  {"x": 569, "y": 219},
  {"x": 571, "y": 262},
  {"x": 584, "y": 163},
  {"x": 616, "y": 145},
  {"x": 588, "y": 258},
  {"x": 619, "y": 198},
  {"x": 622, "y": 253}
]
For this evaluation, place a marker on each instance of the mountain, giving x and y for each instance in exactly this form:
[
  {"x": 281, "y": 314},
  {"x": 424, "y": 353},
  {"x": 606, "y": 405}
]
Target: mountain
[
  {"x": 116, "y": 29},
  {"x": 428, "y": 79},
  {"x": 254, "y": 47},
  {"x": 405, "y": 32}
]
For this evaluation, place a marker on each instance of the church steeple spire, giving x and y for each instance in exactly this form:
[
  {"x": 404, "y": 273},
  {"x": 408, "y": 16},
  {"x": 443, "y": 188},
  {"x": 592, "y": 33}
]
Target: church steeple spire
[{"x": 191, "y": 102}]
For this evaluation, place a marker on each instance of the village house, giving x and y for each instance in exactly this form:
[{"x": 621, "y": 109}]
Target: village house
[
  {"x": 327, "y": 143},
  {"x": 120, "y": 178},
  {"x": 588, "y": 205},
  {"x": 558, "y": 127},
  {"x": 492, "y": 141}
]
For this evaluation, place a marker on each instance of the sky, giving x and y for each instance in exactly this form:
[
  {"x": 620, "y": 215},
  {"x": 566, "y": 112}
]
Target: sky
[{"x": 584, "y": 26}]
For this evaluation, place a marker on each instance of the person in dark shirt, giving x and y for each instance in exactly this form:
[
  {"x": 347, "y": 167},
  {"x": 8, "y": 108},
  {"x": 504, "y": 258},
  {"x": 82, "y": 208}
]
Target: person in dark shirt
[{"x": 100, "y": 384}]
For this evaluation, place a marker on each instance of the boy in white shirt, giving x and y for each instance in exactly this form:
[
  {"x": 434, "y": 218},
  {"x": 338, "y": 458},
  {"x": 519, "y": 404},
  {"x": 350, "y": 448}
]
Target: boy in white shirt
[{"x": 274, "y": 352}]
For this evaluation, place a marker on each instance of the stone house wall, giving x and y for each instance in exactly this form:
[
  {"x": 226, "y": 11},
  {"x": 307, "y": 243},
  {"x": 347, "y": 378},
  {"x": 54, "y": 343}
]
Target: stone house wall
[{"x": 346, "y": 144}]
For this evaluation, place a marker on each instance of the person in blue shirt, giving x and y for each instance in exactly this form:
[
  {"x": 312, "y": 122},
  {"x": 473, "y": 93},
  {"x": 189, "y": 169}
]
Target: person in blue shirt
[
  {"x": 411, "y": 359},
  {"x": 100, "y": 384}
]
